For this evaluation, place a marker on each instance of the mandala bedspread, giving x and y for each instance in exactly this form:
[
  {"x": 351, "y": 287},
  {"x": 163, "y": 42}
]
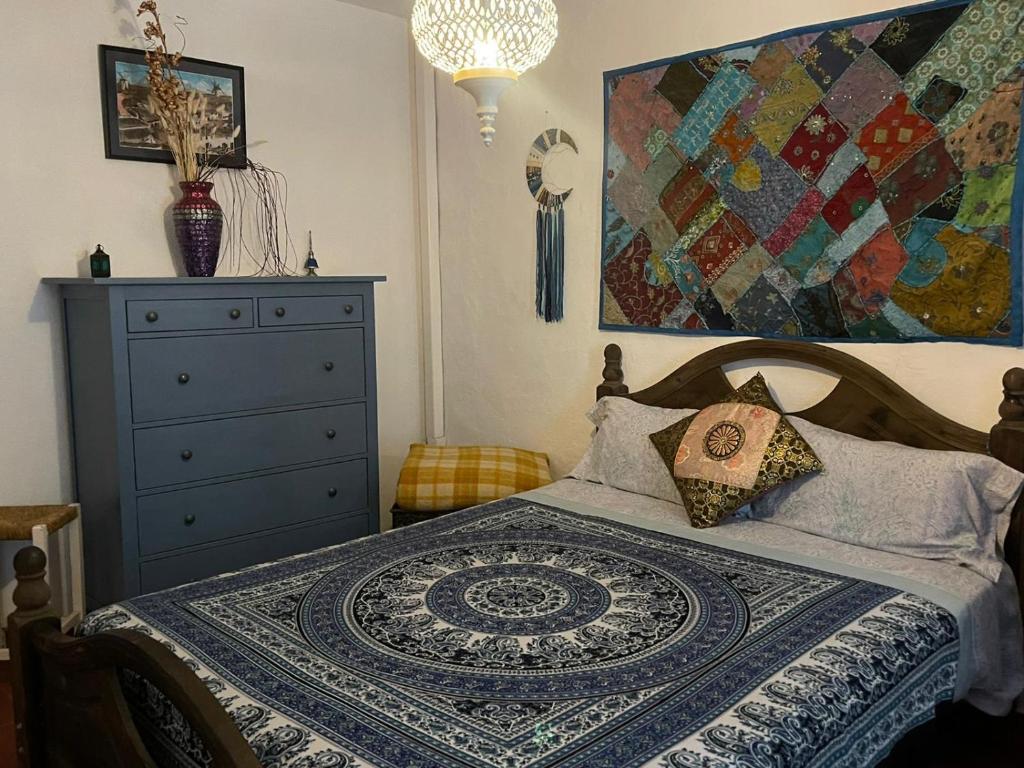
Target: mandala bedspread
[
  {"x": 855, "y": 181},
  {"x": 519, "y": 634}
]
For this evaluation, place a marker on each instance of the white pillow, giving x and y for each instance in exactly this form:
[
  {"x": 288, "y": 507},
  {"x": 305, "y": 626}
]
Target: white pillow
[
  {"x": 936, "y": 505},
  {"x": 621, "y": 453}
]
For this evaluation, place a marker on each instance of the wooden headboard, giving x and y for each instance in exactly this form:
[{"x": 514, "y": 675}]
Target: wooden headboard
[{"x": 865, "y": 403}]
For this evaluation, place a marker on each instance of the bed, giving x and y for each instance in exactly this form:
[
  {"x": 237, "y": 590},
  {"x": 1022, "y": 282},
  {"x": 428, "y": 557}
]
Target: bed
[{"x": 578, "y": 625}]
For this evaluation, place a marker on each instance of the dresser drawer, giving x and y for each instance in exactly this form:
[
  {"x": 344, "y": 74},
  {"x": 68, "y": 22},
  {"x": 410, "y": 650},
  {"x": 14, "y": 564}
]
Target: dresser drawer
[
  {"x": 190, "y": 452},
  {"x": 195, "y": 516},
  {"x": 180, "y": 569},
  {"x": 201, "y": 375},
  {"x": 188, "y": 315},
  {"x": 310, "y": 310}
]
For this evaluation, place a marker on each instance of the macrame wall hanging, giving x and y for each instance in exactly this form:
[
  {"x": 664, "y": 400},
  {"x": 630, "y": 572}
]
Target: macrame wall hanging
[{"x": 550, "y": 223}]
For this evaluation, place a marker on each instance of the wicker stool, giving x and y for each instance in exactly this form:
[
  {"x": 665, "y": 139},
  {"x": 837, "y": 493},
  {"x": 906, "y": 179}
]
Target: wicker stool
[{"x": 38, "y": 524}]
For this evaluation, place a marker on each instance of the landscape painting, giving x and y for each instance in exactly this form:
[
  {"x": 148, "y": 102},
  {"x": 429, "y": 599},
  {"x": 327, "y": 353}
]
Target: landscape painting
[{"x": 133, "y": 131}]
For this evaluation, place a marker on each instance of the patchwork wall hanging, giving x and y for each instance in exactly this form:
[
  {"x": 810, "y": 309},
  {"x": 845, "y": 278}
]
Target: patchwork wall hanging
[
  {"x": 550, "y": 224},
  {"x": 853, "y": 181}
]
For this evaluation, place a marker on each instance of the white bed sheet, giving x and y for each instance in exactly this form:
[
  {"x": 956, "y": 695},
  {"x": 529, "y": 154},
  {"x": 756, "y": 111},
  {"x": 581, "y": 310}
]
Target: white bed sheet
[{"x": 993, "y": 676}]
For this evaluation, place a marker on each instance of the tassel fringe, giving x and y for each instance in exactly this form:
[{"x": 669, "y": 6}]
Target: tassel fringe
[{"x": 551, "y": 262}]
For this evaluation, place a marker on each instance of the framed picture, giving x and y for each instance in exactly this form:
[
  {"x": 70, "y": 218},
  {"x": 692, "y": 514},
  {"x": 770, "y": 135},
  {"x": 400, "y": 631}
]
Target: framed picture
[{"x": 132, "y": 131}]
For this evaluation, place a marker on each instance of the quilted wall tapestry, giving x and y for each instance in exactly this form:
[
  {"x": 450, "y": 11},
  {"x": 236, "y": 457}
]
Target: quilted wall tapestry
[{"x": 853, "y": 181}]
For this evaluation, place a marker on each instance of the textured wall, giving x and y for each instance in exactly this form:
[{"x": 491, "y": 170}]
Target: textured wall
[{"x": 511, "y": 379}]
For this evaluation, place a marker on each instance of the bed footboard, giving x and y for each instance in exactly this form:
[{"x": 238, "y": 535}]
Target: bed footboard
[{"x": 68, "y": 703}]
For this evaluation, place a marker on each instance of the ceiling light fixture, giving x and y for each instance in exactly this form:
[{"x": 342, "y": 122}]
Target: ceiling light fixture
[{"x": 485, "y": 44}]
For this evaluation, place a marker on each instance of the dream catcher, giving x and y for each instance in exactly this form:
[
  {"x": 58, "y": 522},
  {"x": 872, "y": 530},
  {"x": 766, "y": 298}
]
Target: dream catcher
[{"x": 550, "y": 223}]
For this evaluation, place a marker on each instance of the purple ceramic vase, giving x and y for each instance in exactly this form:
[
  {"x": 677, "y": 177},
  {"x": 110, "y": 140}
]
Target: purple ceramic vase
[{"x": 198, "y": 223}]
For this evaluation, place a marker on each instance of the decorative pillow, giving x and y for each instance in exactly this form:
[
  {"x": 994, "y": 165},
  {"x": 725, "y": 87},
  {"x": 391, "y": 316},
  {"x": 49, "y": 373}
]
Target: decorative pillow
[
  {"x": 440, "y": 479},
  {"x": 731, "y": 452},
  {"x": 937, "y": 505},
  {"x": 621, "y": 454}
]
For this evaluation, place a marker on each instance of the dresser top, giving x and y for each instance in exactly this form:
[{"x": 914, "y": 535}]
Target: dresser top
[{"x": 210, "y": 280}]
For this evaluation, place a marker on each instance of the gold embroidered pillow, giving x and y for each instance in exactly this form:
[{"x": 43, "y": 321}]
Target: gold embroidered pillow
[{"x": 730, "y": 453}]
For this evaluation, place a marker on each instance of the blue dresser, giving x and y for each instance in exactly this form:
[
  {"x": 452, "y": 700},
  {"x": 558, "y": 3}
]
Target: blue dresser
[{"x": 218, "y": 423}]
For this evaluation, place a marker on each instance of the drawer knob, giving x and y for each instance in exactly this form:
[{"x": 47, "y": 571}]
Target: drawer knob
[
  {"x": 186, "y": 455},
  {"x": 332, "y": 492},
  {"x": 279, "y": 312},
  {"x": 331, "y": 434},
  {"x": 235, "y": 314},
  {"x": 328, "y": 366},
  {"x": 184, "y": 378},
  {"x": 349, "y": 309},
  {"x": 190, "y": 519},
  {"x": 152, "y": 317}
]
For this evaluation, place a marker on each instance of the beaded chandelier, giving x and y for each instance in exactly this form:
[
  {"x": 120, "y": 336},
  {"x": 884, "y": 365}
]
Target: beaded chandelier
[{"x": 485, "y": 44}]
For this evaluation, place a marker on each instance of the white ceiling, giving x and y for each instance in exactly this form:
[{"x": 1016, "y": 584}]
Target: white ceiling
[{"x": 394, "y": 7}]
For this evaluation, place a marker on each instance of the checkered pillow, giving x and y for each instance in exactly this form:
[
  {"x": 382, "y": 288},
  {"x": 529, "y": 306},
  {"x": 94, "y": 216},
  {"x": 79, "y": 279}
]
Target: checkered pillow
[{"x": 437, "y": 479}]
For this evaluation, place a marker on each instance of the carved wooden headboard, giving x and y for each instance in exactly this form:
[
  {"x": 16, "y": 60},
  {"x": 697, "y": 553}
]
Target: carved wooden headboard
[{"x": 865, "y": 403}]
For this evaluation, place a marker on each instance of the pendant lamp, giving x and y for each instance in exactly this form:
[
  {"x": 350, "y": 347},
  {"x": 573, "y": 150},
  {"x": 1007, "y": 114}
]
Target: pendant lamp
[{"x": 485, "y": 45}]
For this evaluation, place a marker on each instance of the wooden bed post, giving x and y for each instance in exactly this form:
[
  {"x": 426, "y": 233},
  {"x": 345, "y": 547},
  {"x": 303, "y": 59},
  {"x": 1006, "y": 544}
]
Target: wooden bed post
[
  {"x": 613, "y": 384},
  {"x": 32, "y": 601},
  {"x": 1006, "y": 443},
  {"x": 69, "y": 707}
]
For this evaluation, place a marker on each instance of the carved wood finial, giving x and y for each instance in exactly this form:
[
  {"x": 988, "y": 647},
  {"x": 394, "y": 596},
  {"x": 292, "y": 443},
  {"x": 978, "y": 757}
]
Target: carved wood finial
[
  {"x": 1006, "y": 441},
  {"x": 613, "y": 377},
  {"x": 1012, "y": 407},
  {"x": 32, "y": 593}
]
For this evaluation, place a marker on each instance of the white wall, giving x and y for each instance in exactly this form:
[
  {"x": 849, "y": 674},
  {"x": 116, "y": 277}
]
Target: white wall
[
  {"x": 328, "y": 89},
  {"x": 511, "y": 379}
]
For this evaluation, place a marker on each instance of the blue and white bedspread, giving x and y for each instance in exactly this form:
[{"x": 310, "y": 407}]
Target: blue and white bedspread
[{"x": 521, "y": 634}]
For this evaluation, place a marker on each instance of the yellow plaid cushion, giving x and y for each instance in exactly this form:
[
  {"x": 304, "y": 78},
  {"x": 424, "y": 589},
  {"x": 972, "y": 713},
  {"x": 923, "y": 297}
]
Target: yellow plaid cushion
[{"x": 439, "y": 479}]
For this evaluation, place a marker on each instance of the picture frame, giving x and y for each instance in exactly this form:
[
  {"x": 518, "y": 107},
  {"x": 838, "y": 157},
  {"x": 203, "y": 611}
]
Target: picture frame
[{"x": 128, "y": 123}]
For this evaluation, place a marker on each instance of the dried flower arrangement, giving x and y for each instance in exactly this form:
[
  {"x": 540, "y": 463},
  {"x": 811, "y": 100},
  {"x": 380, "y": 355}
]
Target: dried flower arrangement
[
  {"x": 257, "y": 224},
  {"x": 183, "y": 114}
]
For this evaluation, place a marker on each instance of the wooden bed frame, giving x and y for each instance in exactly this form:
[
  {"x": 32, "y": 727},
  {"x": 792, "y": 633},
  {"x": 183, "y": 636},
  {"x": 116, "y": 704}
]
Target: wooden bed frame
[
  {"x": 69, "y": 708},
  {"x": 865, "y": 403}
]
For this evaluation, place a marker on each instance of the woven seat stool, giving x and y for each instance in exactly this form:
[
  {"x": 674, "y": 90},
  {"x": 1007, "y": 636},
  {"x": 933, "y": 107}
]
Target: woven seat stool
[{"x": 39, "y": 524}]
